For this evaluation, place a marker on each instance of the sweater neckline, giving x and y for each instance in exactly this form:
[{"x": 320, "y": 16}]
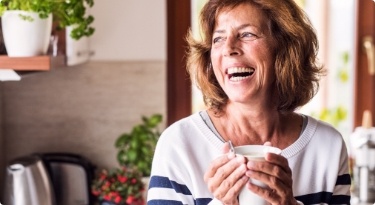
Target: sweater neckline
[{"x": 288, "y": 152}]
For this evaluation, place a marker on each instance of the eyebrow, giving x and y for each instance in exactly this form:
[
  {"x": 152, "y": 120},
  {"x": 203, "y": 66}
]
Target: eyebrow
[{"x": 238, "y": 28}]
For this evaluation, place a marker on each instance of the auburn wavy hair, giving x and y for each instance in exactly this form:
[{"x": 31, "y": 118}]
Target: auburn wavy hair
[{"x": 296, "y": 65}]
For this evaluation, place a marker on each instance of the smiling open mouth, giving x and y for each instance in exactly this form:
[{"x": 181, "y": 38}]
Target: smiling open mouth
[{"x": 239, "y": 73}]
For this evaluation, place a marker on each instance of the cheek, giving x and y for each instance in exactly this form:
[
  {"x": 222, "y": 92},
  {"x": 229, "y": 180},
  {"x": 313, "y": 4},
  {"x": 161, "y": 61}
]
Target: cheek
[
  {"x": 215, "y": 61},
  {"x": 219, "y": 75},
  {"x": 215, "y": 56}
]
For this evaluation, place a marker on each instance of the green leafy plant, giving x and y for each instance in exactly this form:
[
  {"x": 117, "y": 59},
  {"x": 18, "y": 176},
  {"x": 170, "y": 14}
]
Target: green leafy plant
[
  {"x": 65, "y": 13},
  {"x": 334, "y": 116},
  {"x": 73, "y": 13},
  {"x": 119, "y": 185},
  {"x": 136, "y": 149}
]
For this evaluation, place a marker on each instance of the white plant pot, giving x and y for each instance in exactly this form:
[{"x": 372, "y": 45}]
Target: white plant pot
[
  {"x": 77, "y": 51},
  {"x": 24, "y": 38}
]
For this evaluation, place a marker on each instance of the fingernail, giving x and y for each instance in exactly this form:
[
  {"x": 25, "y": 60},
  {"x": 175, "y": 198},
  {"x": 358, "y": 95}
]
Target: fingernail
[
  {"x": 240, "y": 158},
  {"x": 231, "y": 155}
]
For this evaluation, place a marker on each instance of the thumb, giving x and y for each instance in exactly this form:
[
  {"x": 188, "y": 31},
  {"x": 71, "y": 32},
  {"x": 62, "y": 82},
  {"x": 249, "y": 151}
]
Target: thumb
[{"x": 225, "y": 148}]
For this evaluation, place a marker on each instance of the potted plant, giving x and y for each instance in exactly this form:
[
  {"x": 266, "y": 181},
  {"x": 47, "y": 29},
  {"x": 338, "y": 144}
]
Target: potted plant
[
  {"x": 136, "y": 148},
  {"x": 119, "y": 186},
  {"x": 73, "y": 13},
  {"x": 135, "y": 153},
  {"x": 30, "y": 13}
]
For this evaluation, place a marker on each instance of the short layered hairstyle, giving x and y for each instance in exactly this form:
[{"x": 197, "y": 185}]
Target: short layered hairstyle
[{"x": 296, "y": 64}]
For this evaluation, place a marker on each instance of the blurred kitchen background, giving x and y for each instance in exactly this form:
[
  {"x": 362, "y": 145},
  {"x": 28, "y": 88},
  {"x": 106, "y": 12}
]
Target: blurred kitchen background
[
  {"x": 82, "y": 109},
  {"x": 137, "y": 68}
]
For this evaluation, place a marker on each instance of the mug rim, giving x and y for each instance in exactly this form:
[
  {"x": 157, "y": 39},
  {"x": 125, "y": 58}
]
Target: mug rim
[{"x": 258, "y": 148}]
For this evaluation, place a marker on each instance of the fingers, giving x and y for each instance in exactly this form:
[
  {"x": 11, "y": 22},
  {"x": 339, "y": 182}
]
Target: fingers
[
  {"x": 276, "y": 174},
  {"x": 229, "y": 188},
  {"x": 273, "y": 196},
  {"x": 219, "y": 172},
  {"x": 273, "y": 170},
  {"x": 279, "y": 161},
  {"x": 225, "y": 177},
  {"x": 216, "y": 164},
  {"x": 279, "y": 184},
  {"x": 266, "y": 193},
  {"x": 226, "y": 148}
]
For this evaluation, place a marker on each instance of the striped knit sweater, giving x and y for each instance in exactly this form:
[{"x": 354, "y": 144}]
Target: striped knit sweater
[{"x": 318, "y": 160}]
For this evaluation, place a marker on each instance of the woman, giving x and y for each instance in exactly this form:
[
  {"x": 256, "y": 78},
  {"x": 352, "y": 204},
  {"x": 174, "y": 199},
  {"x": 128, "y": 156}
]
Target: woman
[{"x": 255, "y": 65}]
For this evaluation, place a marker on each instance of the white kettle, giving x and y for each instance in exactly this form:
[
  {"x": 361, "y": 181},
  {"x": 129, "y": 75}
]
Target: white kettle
[{"x": 28, "y": 183}]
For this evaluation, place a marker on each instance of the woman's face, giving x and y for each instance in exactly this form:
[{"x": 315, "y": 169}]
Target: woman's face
[{"x": 242, "y": 54}]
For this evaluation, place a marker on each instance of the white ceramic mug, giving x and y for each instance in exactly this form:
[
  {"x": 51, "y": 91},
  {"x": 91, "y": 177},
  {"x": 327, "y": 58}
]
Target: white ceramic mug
[{"x": 254, "y": 153}]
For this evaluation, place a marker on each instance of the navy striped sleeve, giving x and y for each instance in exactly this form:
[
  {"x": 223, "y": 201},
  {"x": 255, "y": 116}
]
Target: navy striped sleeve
[
  {"x": 165, "y": 182},
  {"x": 323, "y": 197}
]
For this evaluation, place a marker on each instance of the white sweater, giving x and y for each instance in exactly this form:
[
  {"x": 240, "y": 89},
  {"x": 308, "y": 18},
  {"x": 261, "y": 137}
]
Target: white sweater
[{"x": 318, "y": 160}]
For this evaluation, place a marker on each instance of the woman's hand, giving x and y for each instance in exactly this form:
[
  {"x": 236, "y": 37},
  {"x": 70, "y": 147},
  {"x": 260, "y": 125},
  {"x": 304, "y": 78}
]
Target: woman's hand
[
  {"x": 225, "y": 177},
  {"x": 274, "y": 172}
]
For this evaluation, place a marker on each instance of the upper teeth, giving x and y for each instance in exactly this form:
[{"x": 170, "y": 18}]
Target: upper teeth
[{"x": 240, "y": 70}]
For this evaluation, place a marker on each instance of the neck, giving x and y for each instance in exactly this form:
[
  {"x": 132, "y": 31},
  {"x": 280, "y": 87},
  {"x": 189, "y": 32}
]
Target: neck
[{"x": 254, "y": 127}]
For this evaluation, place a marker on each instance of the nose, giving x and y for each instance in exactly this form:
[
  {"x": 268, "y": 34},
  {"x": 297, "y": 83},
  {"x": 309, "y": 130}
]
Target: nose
[{"x": 231, "y": 47}]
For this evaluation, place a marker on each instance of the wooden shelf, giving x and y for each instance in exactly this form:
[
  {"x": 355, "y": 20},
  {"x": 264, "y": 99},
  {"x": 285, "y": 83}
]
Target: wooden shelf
[{"x": 37, "y": 63}]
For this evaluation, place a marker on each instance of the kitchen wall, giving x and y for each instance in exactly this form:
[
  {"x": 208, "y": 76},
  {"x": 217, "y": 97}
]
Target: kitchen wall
[
  {"x": 80, "y": 109},
  {"x": 129, "y": 30},
  {"x": 84, "y": 108}
]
